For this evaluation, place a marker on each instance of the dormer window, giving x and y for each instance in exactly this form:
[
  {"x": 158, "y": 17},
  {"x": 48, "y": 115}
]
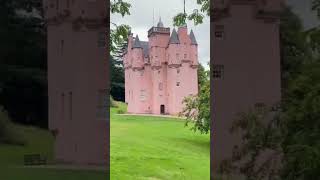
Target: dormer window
[
  {"x": 219, "y": 32},
  {"x": 218, "y": 71},
  {"x": 101, "y": 39},
  {"x": 103, "y": 103},
  {"x": 160, "y": 86}
]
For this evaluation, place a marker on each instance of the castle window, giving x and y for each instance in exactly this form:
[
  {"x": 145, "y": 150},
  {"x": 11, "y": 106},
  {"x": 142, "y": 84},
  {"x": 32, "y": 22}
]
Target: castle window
[
  {"x": 70, "y": 105},
  {"x": 101, "y": 39},
  {"x": 178, "y": 84},
  {"x": 142, "y": 95},
  {"x": 178, "y": 71},
  {"x": 160, "y": 86},
  {"x": 260, "y": 107},
  {"x": 158, "y": 72},
  {"x": 177, "y": 55},
  {"x": 218, "y": 72},
  {"x": 219, "y": 32},
  {"x": 185, "y": 56},
  {"x": 102, "y": 105}
]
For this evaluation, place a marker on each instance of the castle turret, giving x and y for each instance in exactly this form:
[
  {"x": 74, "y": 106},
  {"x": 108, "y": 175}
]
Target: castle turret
[
  {"x": 78, "y": 72},
  {"x": 137, "y": 54},
  {"x": 245, "y": 69},
  {"x": 173, "y": 49},
  {"x": 193, "y": 49},
  {"x": 158, "y": 41}
]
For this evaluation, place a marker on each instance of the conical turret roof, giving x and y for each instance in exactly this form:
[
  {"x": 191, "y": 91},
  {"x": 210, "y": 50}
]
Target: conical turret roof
[
  {"x": 174, "y": 39},
  {"x": 193, "y": 38},
  {"x": 137, "y": 43},
  {"x": 160, "y": 24}
]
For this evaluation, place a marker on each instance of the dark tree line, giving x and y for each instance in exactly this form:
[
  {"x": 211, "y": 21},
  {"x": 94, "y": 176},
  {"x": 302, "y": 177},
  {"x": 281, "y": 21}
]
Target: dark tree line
[{"x": 23, "y": 61}]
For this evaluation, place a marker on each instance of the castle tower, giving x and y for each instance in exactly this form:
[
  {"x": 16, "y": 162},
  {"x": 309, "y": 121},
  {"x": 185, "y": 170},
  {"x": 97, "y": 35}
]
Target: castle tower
[
  {"x": 158, "y": 41},
  {"x": 245, "y": 68},
  {"x": 137, "y": 78},
  {"x": 182, "y": 68},
  {"x": 78, "y": 80}
]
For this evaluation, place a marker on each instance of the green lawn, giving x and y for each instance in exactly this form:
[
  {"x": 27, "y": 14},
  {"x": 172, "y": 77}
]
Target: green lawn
[
  {"x": 156, "y": 148},
  {"x": 141, "y": 148},
  {"x": 38, "y": 141}
]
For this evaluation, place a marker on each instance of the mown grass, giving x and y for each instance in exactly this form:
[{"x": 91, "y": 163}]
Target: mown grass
[
  {"x": 37, "y": 141},
  {"x": 145, "y": 147}
]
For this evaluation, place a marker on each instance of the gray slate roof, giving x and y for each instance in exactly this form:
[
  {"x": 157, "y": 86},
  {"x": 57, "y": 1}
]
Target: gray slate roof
[
  {"x": 174, "y": 39},
  {"x": 136, "y": 43},
  {"x": 145, "y": 46},
  {"x": 193, "y": 38},
  {"x": 160, "y": 24}
]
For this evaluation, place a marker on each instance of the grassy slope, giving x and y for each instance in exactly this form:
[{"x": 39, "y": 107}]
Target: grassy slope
[
  {"x": 156, "y": 148},
  {"x": 38, "y": 141}
]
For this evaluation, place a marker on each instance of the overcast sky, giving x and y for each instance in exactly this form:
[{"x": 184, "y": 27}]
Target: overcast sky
[
  {"x": 141, "y": 20},
  {"x": 303, "y": 9}
]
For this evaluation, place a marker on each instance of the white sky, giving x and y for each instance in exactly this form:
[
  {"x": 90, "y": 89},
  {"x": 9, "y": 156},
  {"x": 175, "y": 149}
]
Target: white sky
[
  {"x": 141, "y": 20},
  {"x": 303, "y": 9}
]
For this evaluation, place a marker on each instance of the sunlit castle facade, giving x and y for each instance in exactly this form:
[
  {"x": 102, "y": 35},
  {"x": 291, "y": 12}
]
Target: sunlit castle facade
[{"x": 160, "y": 73}]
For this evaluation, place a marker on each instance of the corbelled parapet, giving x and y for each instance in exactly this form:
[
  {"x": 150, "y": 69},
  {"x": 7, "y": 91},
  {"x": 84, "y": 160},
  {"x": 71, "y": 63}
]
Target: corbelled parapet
[
  {"x": 90, "y": 14},
  {"x": 268, "y": 10}
]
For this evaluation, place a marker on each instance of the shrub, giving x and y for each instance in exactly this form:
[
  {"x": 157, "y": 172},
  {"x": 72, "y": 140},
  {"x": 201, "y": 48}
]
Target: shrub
[
  {"x": 8, "y": 134},
  {"x": 113, "y": 102},
  {"x": 121, "y": 111}
]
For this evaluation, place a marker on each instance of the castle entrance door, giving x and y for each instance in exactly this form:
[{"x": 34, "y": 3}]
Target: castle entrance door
[{"x": 162, "y": 109}]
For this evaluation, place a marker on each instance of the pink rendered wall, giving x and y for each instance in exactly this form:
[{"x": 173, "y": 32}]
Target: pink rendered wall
[
  {"x": 77, "y": 68},
  {"x": 250, "y": 54}
]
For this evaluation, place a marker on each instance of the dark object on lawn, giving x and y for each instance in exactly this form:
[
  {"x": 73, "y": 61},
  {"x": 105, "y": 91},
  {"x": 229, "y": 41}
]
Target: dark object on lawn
[{"x": 34, "y": 159}]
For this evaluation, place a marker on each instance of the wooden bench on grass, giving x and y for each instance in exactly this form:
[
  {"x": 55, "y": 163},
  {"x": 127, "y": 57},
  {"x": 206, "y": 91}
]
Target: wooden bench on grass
[{"x": 34, "y": 159}]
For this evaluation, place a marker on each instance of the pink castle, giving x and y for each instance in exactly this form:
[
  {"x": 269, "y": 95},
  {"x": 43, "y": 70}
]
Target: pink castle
[{"x": 160, "y": 73}]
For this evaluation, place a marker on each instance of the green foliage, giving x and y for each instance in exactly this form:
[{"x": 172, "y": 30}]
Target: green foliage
[
  {"x": 8, "y": 135},
  {"x": 118, "y": 33},
  {"x": 301, "y": 124},
  {"x": 316, "y": 6},
  {"x": 293, "y": 46},
  {"x": 257, "y": 156},
  {"x": 197, "y": 107},
  {"x": 120, "y": 7},
  {"x": 118, "y": 36},
  {"x": 23, "y": 61},
  {"x": 112, "y": 102},
  {"x": 196, "y": 16},
  {"x": 117, "y": 90}
]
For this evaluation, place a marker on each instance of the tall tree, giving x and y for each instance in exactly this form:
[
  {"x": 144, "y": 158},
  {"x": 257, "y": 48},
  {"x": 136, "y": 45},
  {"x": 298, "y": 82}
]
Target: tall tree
[{"x": 23, "y": 61}]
